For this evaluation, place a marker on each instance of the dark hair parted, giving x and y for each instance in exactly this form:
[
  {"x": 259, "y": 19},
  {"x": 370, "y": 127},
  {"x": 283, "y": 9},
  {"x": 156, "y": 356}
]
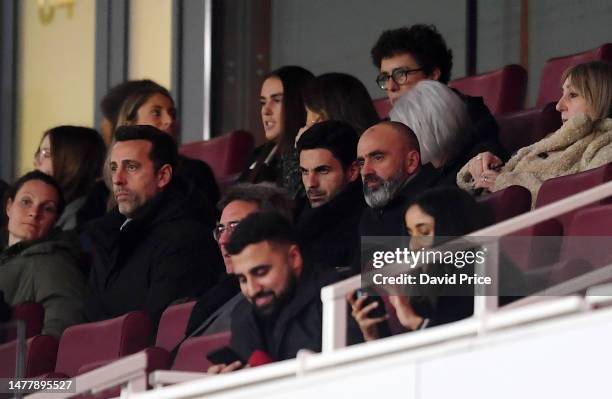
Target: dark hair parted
[
  {"x": 259, "y": 227},
  {"x": 294, "y": 80},
  {"x": 12, "y": 191},
  {"x": 455, "y": 212},
  {"x": 77, "y": 155},
  {"x": 268, "y": 197},
  {"x": 113, "y": 100},
  {"x": 423, "y": 42},
  {"x": 163, "y": 147},
  {"x": 338, "y": 137},
  {"x": 342, "y": 97}
]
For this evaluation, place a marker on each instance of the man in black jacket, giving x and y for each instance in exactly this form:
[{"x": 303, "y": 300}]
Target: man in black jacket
[
  {"x": 157, "y": 245},
  {"x": 392, "y": 175},
  {"x": 282, "y": 309},
  {"x": 328, "y": 228}
]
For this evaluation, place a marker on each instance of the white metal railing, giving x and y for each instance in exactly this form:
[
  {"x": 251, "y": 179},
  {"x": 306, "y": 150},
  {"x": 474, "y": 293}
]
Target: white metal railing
[
  {"x": 129, "y": 373},
  {"x": 430, "y": 339},
  {"x": 333, "y": 296}
]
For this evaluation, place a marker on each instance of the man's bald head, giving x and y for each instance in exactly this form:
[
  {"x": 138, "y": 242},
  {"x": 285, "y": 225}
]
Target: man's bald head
[
  {"x": 388, "y": 154},
  {"x": 404, "y": 134}
]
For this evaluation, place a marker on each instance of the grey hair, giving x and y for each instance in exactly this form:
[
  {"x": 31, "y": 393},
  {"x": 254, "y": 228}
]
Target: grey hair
[
  {"x": 267, "y": 196},
  {"x": 439, "y": 119}
]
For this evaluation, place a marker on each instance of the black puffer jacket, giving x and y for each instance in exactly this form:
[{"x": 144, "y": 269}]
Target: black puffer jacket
[
  {"x": 329, "y": 234},
  {"x": 165, "y": 253}
]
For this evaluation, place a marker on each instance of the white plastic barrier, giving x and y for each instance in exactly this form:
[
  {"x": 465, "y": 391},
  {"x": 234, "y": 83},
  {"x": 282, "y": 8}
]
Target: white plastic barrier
[{"x": 443, "y": 361}]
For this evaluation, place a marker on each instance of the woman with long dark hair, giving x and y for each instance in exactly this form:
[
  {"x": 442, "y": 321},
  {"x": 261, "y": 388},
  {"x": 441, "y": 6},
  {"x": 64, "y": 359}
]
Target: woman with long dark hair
[
  {"x": 74, "y": 156},
  {"x": 282, "y": 115}
]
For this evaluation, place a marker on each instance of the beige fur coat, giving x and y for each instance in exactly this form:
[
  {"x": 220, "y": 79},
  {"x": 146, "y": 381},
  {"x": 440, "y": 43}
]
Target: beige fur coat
[{"x": 578, "y": 145}]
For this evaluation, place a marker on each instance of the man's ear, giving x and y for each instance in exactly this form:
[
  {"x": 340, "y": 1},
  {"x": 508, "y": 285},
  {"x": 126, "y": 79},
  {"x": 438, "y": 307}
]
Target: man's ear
[
  {"x": 164, "y": 176},
  {"x": 435, "y": 75},
  {"x": 352, "y": 172},
  {"x": 296, "y": 262},
  {"x": 412, "y": 162}
]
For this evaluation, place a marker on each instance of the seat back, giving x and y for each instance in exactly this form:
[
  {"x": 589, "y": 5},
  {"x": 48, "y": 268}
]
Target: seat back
[
  {"x": 32, "y": 314},
  {"x": 588, "y": 236},
  {"x": 191, "y": 355},
  {"x": 507, "y": 203},
  {"x": 40, "y": 356},
  {"x": 503, "y": 90},
  {"x": 523, "y": 128},
  {"x": 100, "y": 341},
  {"x": 550, "y": 81},
  {"x": 172, "y": 325},
  {"x": 383, "y": 107},
  {"x": 227, "y": 155},
  {"x": 564, "y": 186}
]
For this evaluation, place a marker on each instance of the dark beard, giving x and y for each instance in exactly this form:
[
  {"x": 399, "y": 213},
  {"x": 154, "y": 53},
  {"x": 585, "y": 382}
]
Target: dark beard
[{"x": 271, "y": 310}]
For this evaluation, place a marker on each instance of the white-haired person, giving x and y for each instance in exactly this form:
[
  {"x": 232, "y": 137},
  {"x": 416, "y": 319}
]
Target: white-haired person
[
  {"x": 440, "y": 120},
  {"x": 583, "y": 142}
]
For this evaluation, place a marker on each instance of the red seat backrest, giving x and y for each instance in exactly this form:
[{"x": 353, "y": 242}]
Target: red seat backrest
[
  {"x": 191, "y": 355},
  {"x": 550, "y": 81},
  {"x": 561, "y": 187},
  {"x": 507, "y": 203},
  {"x": 41, "y": 352},
  {"x": 503, "y": 90},
  {"x": 111, "y": 339},
  {"x": 589, "y": 235},
  {"x": 172, "y": 325},
  {"x": 227, "y": 155},
  {"x": 383, "y": 107}
]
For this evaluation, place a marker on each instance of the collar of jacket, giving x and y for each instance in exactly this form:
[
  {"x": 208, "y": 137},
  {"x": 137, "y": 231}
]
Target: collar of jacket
[
  {"x": 426, "y": 174},
  {"x": 348, "y": 202},
  {"x": 55, "y": 239}
]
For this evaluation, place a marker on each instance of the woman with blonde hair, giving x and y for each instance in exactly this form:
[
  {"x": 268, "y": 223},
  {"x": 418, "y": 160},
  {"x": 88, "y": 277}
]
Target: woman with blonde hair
[{"x": 583, "y": 142}]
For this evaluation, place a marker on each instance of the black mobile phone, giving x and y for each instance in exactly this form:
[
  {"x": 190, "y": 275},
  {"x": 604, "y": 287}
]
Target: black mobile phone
[
  {"x": 378, "y": 311},
  {"x": 383, "y": 327},
  {"x": 224, "y": 355}
]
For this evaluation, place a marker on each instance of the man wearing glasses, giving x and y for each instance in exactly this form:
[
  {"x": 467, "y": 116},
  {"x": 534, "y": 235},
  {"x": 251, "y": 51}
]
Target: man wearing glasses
[
  {"x": 408, "y": 55},
  {"x": 212, "y": 312}
]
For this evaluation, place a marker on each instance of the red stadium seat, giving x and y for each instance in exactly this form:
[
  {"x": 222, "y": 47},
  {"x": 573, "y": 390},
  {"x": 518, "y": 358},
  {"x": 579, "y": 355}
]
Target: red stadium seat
[
  {"x": 227, "y": 155},
  {"x": 520, "y": 129},
  {"x": 588, "y": 236},
  {"x": 383, "y": 107},
  {"x": 40, "y": 356},
  {"x": 172, "y": 325},
  {"x": 503, "y": 90},
  {"x": 87, "y": 346},
  {"x": 561, "y": 187},
  {"x": 507, "y": 203},
  {"x": 523, "y": 128},
  {"x": 191, "y": 355},
  {"x": 550, "y": 81},
  {"x": 32, "y": 314}
]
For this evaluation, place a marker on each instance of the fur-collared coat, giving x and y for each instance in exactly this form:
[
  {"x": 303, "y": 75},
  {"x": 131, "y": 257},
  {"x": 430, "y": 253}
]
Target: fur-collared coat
[{"x": 580, "y": 144}]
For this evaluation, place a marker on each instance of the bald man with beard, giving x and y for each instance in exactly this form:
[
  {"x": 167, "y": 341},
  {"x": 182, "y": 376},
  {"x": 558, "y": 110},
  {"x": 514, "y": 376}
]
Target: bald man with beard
[{"x": 392, "y": 175}]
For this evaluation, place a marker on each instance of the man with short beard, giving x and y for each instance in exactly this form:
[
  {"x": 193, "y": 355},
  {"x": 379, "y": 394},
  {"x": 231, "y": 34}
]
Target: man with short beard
[
  {"x": 157, "y": 245},
  {"x": 328, "y": 227},
  {"x": 281, "y": 312},
  {"x": 392, "y": 175}
]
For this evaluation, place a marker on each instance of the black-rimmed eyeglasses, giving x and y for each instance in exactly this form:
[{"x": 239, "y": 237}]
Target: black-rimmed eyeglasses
[{"x": 399, "y": 76}]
